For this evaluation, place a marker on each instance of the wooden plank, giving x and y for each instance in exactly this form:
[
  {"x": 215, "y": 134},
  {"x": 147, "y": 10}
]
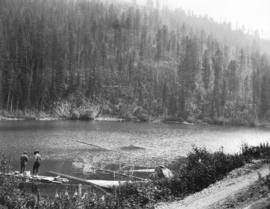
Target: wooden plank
[
  {"x": 37, "y": 178},
  {"x": 80, "y": 180}
]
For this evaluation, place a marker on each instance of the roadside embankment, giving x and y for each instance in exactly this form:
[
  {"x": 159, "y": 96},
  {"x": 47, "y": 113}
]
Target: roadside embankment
[{"x": 231, "y": 192}]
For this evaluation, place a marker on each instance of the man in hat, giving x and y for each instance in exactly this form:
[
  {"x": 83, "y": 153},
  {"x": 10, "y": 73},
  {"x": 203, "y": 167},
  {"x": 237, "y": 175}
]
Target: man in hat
[
  {"x": 24, "y": 159},
  {"x": 37, "y": 158}
]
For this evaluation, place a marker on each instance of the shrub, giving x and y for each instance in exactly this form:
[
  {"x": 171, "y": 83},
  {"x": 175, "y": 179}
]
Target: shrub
[
  {"x": 201, "y": 168},
  {"x": 256, "y": 152}
]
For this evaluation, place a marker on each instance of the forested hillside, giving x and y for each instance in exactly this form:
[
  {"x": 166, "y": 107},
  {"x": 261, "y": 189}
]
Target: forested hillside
[{"x": 131, "y": 61}]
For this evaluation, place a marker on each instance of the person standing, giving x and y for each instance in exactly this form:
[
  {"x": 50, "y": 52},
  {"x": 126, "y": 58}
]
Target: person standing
[
  {"x": 24, "y": 159},
  {"x": 37, "y": 158}
]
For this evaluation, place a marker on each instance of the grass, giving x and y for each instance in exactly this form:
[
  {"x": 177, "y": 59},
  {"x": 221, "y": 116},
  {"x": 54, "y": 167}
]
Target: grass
[{"x": 201, "y": 168}]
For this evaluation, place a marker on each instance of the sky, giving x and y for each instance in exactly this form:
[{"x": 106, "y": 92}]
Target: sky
[{"x": 252, "y": 14}]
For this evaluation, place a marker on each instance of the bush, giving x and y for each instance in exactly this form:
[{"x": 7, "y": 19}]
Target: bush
[
  {"x": 256, "y": 152},
  {"x": 201, "y": 168}
]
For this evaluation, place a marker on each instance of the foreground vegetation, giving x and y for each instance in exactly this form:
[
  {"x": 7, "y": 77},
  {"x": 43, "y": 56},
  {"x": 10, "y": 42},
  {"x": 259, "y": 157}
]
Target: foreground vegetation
[
  {"x": 133, "y": 61},
  {"x": 200, "y": 169}
]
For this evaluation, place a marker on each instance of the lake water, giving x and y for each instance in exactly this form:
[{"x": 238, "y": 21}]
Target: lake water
[{"x": 159, "y": 143}]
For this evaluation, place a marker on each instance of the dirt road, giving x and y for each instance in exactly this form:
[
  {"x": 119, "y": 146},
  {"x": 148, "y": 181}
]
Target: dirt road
[{"x": 237, "y": 181}]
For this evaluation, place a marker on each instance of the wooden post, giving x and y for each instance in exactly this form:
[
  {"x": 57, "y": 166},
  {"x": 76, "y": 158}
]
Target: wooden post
[
  {"x": 80, "y": 190},
  {"x": 35, "y": 192},
  {"x": 80, "y": 196}
]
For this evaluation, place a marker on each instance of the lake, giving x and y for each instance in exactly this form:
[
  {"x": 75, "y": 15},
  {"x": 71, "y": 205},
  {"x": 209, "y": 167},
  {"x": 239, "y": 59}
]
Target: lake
[{"x": 152, "y": 143}]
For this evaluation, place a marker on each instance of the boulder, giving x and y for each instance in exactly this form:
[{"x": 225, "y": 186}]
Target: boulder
[
  {"x": 86, "y": 115},
  {"x": 75, "y": 115}
]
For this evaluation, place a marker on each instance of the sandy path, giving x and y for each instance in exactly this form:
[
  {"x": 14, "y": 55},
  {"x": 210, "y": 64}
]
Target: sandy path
[{"x": 218, "y": 192}]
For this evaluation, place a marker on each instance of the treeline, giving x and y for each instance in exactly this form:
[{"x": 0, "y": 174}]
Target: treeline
[{"x": 124, "y": 56}]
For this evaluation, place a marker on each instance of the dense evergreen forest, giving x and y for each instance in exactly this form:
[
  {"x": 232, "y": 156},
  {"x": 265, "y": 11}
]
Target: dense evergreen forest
[{"x": 130, "y": 60}]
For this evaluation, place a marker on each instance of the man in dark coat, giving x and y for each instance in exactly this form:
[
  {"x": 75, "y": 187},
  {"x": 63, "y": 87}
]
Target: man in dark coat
[
  {"x": 24, "y": 160},
  {"x": 36, "y": 163}
]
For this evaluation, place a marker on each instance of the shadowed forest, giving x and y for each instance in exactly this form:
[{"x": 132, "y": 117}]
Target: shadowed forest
[{"x": 131, "y": 61}]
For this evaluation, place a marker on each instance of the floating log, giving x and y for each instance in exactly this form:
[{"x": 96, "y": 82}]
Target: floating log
[
  {"x": 146, "y": 170},
  {"x": 80, "y": 180},
  {"x": 108, "y": 184},
  {"x": 187, "y": 123},
  {"x": 131, "y": 147},
  {"x": 121, "y": 174},
  {"x": 93, "y": 145}
]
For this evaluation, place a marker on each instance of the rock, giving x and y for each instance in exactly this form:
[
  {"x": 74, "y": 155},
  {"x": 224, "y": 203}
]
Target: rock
[
  {"x": 140, "y": 114},
  {"x": 75, "y": 115},
  {"x": 162, "y": 172},
  {"x": 86, "y": 115}
]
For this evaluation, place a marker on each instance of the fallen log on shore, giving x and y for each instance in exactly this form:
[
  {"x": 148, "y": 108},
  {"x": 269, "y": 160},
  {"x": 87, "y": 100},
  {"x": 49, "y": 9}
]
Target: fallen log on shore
[{"x": 85, "y": 181}]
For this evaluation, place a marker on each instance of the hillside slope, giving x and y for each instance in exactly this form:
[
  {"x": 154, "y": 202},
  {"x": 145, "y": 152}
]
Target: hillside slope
[{"x": 126, "y": 57}]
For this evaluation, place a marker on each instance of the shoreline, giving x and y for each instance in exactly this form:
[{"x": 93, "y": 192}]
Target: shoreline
[{"x": 111, "y": 118}]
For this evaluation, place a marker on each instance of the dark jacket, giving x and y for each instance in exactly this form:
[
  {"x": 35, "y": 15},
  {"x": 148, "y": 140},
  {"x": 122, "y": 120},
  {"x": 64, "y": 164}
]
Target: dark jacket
[{"x": 24, "y": 158}]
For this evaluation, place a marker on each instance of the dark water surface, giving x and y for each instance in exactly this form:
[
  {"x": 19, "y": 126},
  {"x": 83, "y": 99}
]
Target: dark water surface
[{"x": 153, "y": 143}]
